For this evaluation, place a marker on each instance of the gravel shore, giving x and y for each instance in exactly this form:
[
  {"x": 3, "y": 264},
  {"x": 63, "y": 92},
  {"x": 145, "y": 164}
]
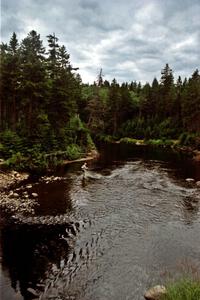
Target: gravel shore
[{"x": 10, "y": 201}]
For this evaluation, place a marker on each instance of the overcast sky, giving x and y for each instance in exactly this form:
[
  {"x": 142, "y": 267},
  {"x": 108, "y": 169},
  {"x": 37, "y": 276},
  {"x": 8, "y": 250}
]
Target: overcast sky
[{"x": 128, "y": 39}]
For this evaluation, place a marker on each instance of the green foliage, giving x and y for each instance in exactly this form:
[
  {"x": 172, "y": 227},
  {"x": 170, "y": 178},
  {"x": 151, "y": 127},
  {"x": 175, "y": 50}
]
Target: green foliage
[
  {"x": 184, "y": 289},
  {"x": 73, "y": 151},
  {"x": 10, "y": 143},
  {"x": 189, "y": 139},
  {"x": 157, "y": 142},
  {"x": 128, "y": 141},
  {"x": 39, "y": 101},
  {"x": 90, "y": 143},
  {"x": 44, "y": 107},
  {"x": 160, "y": 142},
  {"x": 17, "y": 160},
  {"x": 106, "y": 138}
]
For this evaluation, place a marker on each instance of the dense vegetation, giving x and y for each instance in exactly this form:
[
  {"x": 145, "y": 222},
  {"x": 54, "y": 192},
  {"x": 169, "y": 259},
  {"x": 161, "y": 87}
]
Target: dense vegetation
[{"x": 47, "y": 113}]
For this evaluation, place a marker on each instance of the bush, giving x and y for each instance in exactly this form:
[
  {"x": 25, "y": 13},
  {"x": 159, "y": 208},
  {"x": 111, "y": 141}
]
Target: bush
[
  {"x": 10, "y": 143},
  {"x": 128, "y": 141},
  {"x": 106, "y": 138},
  {"x": 189, "y": 139},
  {"x": 90, "y": 143},
  {"x": 184, "y": 289},
  {"x": 157, "y": 142},
  {"x": 73, "y": 151},
  {"x": 17, "y": 160}
]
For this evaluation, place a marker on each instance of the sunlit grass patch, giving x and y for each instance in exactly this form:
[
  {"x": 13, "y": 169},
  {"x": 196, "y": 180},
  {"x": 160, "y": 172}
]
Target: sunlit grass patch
[{"x": 183, "y": 289}]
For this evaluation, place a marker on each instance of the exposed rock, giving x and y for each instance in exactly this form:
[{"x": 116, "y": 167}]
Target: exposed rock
[
  {"x": 29, "y": 186},
  {"x": 33, "y": 292},
  {"x": 15, "y": 195},
  {"x": 14, "y": 172},
  {"x": 155, "y": 293},
  {"x": 7, "y": 179},
  {"x": 198, "y": 183},
  {"x": 10, "y": 201},
  {"x": 35, "y": 195},
  {"x": 189, "y": 179}
]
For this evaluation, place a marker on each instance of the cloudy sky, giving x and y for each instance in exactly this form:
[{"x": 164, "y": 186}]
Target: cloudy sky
[{"x": 128, "y": 39}]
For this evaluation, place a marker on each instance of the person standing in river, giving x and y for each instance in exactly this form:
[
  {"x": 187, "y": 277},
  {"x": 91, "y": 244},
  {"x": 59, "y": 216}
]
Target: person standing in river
[{"x": 84, "y": 167}]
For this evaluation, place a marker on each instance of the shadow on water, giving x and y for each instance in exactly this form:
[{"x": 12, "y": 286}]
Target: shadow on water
[
  {"x": 53, "y": 198},
  {"x": 30, "y": 251},
  {"x": 182, "y": 164}
]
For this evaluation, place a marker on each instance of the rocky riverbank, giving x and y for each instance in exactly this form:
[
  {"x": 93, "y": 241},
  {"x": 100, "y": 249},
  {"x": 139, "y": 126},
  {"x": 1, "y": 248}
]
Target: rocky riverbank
[
  {"x": 10, "y": 201},
  {"x": 14, "y": 200}
]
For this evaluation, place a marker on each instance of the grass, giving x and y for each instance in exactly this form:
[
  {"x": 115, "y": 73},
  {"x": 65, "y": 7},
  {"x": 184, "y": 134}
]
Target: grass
[{"x": 183, "y": 289}]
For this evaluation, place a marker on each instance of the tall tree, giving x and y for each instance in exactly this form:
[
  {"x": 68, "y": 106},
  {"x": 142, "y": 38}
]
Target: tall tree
[
  {"x": 32, "y": 79},
  {"x": 167, "y": 92},
  {"x": 191, "y": 103}
]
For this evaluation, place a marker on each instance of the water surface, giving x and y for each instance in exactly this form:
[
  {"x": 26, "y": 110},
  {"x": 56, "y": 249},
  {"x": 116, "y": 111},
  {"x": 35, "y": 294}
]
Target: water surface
[{"x": 111, "y": 237}]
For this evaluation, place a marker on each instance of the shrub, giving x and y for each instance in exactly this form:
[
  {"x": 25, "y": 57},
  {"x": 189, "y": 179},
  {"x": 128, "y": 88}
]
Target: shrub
[
  {"x": 16, "y": 160},
  {"x": 189, "y": 139},
  {"x": 10, "y": 143},
  {"x": 128, "y": 141},
  {"x": 90, "y": 143},
  {"x": 106, "y": 138},
  {"x": 157, "y": 142},
  {"x": 73, "y": 151}
]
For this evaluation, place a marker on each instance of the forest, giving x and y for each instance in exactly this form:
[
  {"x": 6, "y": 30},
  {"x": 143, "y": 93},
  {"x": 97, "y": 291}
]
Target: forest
[{"x": 47, "y": 114}]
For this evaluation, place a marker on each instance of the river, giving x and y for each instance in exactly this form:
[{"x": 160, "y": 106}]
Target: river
[{"x": 134, "y": 224}]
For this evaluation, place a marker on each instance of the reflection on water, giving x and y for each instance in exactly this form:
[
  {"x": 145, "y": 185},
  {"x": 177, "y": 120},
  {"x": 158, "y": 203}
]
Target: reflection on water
[{"x": 109, "y": 236}]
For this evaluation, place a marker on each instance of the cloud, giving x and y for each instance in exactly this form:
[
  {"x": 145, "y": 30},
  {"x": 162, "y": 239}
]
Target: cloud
[{"x": 130, "y": 40}]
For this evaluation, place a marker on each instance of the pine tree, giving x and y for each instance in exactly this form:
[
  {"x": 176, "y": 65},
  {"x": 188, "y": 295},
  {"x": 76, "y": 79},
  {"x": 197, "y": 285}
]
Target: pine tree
[
  {"x": 167, "y": 92},
  {"x": 32, "y": 80},
  {"x": 10, "y": 83},
  {"x": 191, "y": 103},
  {"x": 114, "y": 107}
]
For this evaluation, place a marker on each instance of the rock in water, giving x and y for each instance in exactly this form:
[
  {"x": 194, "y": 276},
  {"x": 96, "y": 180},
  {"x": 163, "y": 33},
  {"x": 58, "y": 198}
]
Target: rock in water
[
  {"x": 34, "y": 195},
  {"x": 29, "y": 186},
  {"x": 15, "y": 195},
  {"x": 33, "y": 292},
  {"x": 189, "y": 179},
  {"x": 155, "y": 293}
]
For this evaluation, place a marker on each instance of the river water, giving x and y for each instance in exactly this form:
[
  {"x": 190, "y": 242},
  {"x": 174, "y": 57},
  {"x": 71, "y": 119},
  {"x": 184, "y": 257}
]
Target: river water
[{"x": 133, "y": 224}]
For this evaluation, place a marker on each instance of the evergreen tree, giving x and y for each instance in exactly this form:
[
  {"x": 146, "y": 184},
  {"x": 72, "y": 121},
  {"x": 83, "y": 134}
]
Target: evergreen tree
[
  {"x": 167, "y": 92},
  {"x": 114, "y": 105},
  {"x": 191, "y": 103},
  {"x": 32, "y": 81},
  {"x": 9, "y": 83}
]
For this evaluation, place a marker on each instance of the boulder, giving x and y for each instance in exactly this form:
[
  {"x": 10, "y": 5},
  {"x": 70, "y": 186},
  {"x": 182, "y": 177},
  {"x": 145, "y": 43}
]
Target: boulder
[
  {"x": 189, "y": 179},
  {"x": 15, "y": 195},
  {"x": 198, "y": 183},
  {"x": 33, "y": 292},
  {"x": 35, "y": 195},
  {"x": 155, "y": 292},
  {"x": 29, "y": 186}
]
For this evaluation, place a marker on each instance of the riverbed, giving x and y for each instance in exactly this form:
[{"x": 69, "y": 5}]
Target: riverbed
[{"x": 132, "y": 223}]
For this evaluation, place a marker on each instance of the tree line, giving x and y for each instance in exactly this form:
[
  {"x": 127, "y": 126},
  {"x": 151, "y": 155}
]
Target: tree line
[
  {"x": 45, "y": 107},
  {"x": 163, "y": 109}
]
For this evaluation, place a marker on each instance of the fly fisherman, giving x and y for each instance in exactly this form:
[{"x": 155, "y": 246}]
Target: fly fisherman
[{"x": 84, "y": 167}]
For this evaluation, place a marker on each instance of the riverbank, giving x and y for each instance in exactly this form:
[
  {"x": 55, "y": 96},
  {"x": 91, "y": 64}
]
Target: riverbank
[
  {"x": 13, "y": 202},
  {"x": 10, "y": 201},
  {"x": 173, "y": 144},
  {"x": 90, "y": 156}
]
